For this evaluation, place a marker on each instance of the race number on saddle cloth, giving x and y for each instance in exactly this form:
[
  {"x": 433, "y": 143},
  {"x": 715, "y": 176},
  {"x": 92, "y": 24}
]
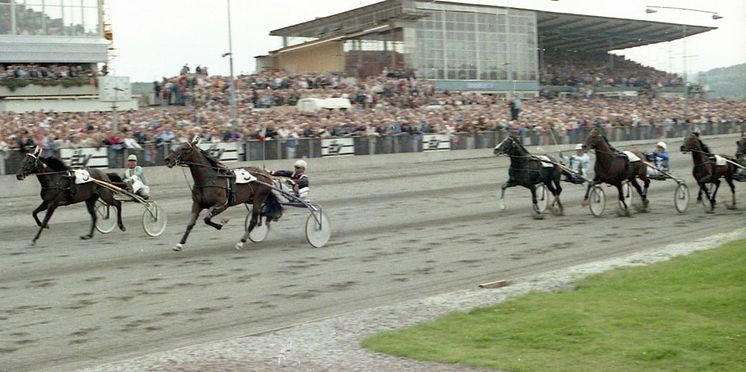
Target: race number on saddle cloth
[
  {"x": 298, "y": 181},
  {"x": 81, "y": 176},
  {"x": 631, "y": 156},
  {"x": 720, "y": 161},
  {"x": 546, "y": 162},
  {"x": 243, "y": 176}
]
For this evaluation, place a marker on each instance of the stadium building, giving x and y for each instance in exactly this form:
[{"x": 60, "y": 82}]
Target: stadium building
[
  {"x": 52, "y": 34},
  {"x": 459, "y": 46}
]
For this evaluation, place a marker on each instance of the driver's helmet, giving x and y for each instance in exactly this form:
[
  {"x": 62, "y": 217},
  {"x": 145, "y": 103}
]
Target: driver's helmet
[
  {"x": 662, "y": 145},
  {"x": 301, "y": 164},
  {"x": 579, "y": 146}
]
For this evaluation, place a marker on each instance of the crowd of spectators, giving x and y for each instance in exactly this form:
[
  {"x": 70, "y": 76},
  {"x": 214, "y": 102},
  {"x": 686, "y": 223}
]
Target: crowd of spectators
[
  {"x": 459, "y": 113},
  {"x": 593, "y": 69},
  {"x": 46, "y": 71}
]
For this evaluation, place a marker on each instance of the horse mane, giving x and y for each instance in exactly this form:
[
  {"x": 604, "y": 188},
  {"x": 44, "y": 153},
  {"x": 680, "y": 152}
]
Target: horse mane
[
  {"x": 705, "y": 148},
  {"x": 608, "y": 143},
  {"x": 56, "y": 164},
  {"x": 215, "y": 163},
  {"x": 520, "y": 145}
]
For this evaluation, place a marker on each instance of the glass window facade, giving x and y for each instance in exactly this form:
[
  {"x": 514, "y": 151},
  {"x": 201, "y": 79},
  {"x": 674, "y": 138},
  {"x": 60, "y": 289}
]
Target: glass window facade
[
  {"x": 50, "y": 17},
  {"x": 483, "y": 44},
  {"x": 372, "y": 53}
]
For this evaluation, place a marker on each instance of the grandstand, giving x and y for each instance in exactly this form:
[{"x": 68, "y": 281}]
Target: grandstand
[
  {"x": 469, "y": 47},
  {"x": 51, "y": 50}
]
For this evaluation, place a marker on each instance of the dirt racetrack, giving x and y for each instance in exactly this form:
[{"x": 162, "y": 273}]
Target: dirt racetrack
[{"x": 399, "y": 233}]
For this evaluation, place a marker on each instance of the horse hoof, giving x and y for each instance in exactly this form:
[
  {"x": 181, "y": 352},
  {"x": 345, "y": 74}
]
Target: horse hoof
[
  {"x": 622, "y": 212},
  {"x": 86, "y": 237},
  {"x": 731, "y": 207},
  {"x": 122, "y": 228},
  {"x": 502, "y": 207},
  {"x": 558, "y": 211},
  {"x": 584, "y": 203},
  {"x": 239, "y": 246},
  {"x": 178, "y": 247}
]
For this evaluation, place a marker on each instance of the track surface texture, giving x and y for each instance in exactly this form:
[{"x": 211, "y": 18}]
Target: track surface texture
[{"x": 399, "y": 233}]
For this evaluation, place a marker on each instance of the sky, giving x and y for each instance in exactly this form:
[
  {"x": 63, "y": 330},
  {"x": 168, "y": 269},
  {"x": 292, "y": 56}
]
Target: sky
[{"x": 154, "y": 38}]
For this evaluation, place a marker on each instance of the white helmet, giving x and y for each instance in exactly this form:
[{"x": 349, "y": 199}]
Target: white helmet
[
  {"x": 662, "y": 144},
  {"x": 300, "y": 164},
  {"x": 579, "y": 146}
]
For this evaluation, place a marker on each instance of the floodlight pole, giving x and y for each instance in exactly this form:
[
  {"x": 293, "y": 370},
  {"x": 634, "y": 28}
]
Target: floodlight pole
[
  {"x": 114, "y": 119},
  {"x": 715, "y": 16},
  {"x": 234, "y": 123}
]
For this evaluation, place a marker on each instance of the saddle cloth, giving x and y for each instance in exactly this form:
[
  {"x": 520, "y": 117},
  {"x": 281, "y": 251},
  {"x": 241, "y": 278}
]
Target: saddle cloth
[
  {"x": 545, "y": 159},
  {"x": 720, "y": 161},
  {"x": 243, "y": 176},
  {"x": 81, "y": 176},
  {"x": 631, "y": 156}
]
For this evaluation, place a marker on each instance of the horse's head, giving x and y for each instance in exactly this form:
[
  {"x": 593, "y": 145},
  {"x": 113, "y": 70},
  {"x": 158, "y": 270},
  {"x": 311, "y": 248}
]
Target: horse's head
[
  {"x": 691, "y": 143},
  {"x": 30, "y": 165},
  {"x": 183, "y": 154},
  {"x": 594, "y": 139},
  {"x": 506, "y": 147}
]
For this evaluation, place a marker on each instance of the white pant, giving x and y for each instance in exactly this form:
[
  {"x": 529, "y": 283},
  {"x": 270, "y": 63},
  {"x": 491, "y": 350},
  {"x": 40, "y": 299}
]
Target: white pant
[
  {"x": 138, "y": 187},
  {"x": 654, "y": 172},
  {"x": 302, "y": 193}
]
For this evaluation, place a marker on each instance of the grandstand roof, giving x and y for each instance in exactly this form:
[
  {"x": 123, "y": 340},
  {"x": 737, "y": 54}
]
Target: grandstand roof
[{"x": 555, "y": 30}]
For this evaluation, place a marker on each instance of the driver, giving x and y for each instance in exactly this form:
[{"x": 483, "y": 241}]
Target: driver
[
  {"x": 580, "y": 163},
  {"x": 134, "y": 176},
  {"x": 659, "y": 158},
  {"x": 298, "y": 180}
]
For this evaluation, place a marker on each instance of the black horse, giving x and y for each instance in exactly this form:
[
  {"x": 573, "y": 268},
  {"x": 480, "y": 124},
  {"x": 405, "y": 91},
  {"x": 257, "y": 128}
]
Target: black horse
[
  {"x": 528, "y": 171},
  {"x": 215, "y": 190},
  {"x": 740, "y": 158},
  {"x": 58, "y": 188},
  {"x": 614, "y": 169},
  {"x": 707, "y": 171}
]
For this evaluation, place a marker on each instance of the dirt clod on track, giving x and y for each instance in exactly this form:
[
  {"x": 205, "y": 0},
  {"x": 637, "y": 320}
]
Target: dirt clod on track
[{"x": 399, "y": 233}]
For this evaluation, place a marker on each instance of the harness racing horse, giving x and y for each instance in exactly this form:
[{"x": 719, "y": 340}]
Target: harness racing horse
[
  {"x": 214, "y": 190},
  {"x": 527, "y": 170},
  {"x": 706, "y": 171},
  {"x": 58, "y": 188},
  {"x": 740, "y": 158},
  {"x": 613, "y": 168}
]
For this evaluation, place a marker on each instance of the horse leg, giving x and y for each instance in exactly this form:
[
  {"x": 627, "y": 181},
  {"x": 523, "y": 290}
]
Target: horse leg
[
  {"x": 643, "y": 193},
  {"x": 623, "y": 207},
  {"x": 729, "y": 180},
  {"x": 196, "y": 208},
  {"x": 108, "y": 197},
  {"x": 555, "y": 188},
  {"x": 588, "y": 191},
  {"x": 535, "y": 209},
  {"x": 717, "y": 187},
  {"x": 212, "y": 212},
  {"x": 506, "y": 185},
  {"x": 45, "y": 222},
  {"x": 90, "y": 204},
  {"x": 42, "y": 207},
  {"x": 256, "y": 209}
]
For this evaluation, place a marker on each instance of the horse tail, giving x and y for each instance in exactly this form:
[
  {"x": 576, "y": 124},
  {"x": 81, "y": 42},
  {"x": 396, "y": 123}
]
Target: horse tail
[{"x": 272, "y": 207}]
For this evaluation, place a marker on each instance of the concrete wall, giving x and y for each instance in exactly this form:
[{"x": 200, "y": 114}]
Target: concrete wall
[
  {"x": 160, "y": 176},
  {"x": 63, "y": 104},
  {"x": 324, "y": 57},
  {"x": 36, "y": 90}
]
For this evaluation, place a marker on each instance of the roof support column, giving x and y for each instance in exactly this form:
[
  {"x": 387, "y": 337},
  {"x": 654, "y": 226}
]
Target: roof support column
[{"x": 611, "y": 57}]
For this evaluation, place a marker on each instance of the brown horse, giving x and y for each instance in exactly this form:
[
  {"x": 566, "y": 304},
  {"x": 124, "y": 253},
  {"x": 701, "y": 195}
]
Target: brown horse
[
  {"x": 707, "y": 171},
  {"x": 215, "y": 190},
  {"x": 613, "y": 168},
  {"x": 58, "y": 188}
]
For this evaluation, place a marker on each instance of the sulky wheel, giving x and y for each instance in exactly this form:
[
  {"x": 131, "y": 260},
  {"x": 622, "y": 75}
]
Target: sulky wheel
[
  {"x": 261, "y": 230},
  {"x": 154, "y": 219},
  {"x": 106, "y": 218},
  {"x": 681, "y": 198},
  {"x": 318, "y": 229},
  {"x": 597, "y": 201}
]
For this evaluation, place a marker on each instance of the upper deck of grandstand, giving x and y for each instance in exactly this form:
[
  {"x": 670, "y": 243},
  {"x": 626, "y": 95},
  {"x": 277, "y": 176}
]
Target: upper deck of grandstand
[{"x": 555, "y": 30}]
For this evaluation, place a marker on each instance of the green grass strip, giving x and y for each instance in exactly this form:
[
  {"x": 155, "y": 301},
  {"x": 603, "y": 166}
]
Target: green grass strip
[{"x": 686, "y": 314}]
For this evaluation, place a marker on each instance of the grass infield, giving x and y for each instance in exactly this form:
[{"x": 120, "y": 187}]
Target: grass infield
[{"x": 688, "y": 313}]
